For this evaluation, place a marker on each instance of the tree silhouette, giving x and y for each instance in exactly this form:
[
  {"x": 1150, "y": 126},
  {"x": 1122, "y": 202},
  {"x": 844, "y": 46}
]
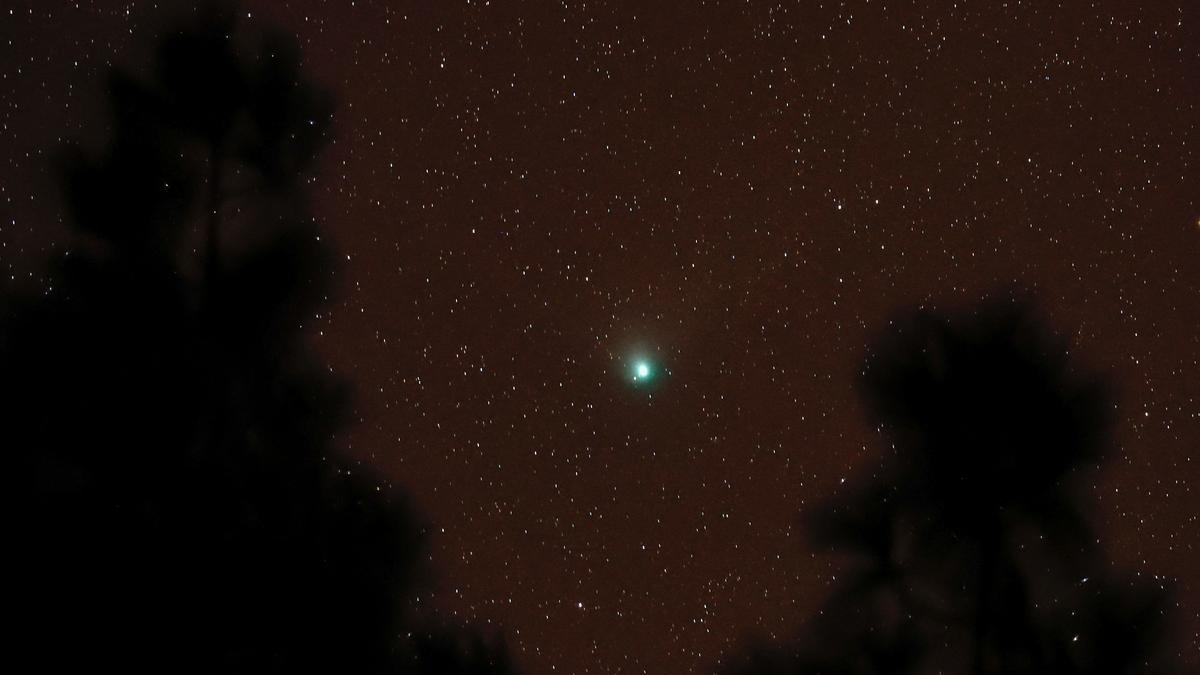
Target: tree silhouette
[
  {"x": 178, "y": 505},
  {"x": 970, "y": 548}
]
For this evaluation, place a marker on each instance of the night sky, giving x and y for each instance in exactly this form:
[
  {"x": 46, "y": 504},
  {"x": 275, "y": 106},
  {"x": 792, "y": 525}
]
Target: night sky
[{"x": 531, "y": 199}]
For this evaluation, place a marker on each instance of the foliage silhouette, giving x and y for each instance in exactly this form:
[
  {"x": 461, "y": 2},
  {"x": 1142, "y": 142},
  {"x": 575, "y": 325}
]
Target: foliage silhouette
[
  {"x": 970, "y": 548},
  {"x": 179, "y": 504}
]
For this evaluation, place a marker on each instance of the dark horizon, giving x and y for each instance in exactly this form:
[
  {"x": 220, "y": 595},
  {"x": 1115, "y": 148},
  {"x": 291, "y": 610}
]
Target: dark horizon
[{"x": 524, "y": 206}]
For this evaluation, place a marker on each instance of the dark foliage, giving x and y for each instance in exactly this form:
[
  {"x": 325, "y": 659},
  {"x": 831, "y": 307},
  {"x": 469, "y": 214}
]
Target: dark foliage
[
  {"x": 970, "y": 550},
  {"x": 178, "y": 505},
  {"x": 453, "y": 649}
]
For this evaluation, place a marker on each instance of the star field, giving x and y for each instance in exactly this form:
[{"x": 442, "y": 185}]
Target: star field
[{"x": 535, "y": 201}]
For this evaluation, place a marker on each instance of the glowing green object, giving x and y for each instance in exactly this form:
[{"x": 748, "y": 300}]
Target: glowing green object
[{"x": 642, "y": 371}]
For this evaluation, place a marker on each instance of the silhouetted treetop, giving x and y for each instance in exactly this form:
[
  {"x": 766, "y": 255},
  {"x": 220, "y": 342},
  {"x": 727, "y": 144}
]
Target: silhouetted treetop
[
  {"x": 987, "y": 411},
  {"x": 181, "y": 505},
  {"x": 970, "y": 548},
  {"x": 208, "y": 154}
]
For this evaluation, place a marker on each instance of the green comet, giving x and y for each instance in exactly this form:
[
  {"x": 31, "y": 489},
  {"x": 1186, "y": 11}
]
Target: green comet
[{"x": 642, "y": 371}]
